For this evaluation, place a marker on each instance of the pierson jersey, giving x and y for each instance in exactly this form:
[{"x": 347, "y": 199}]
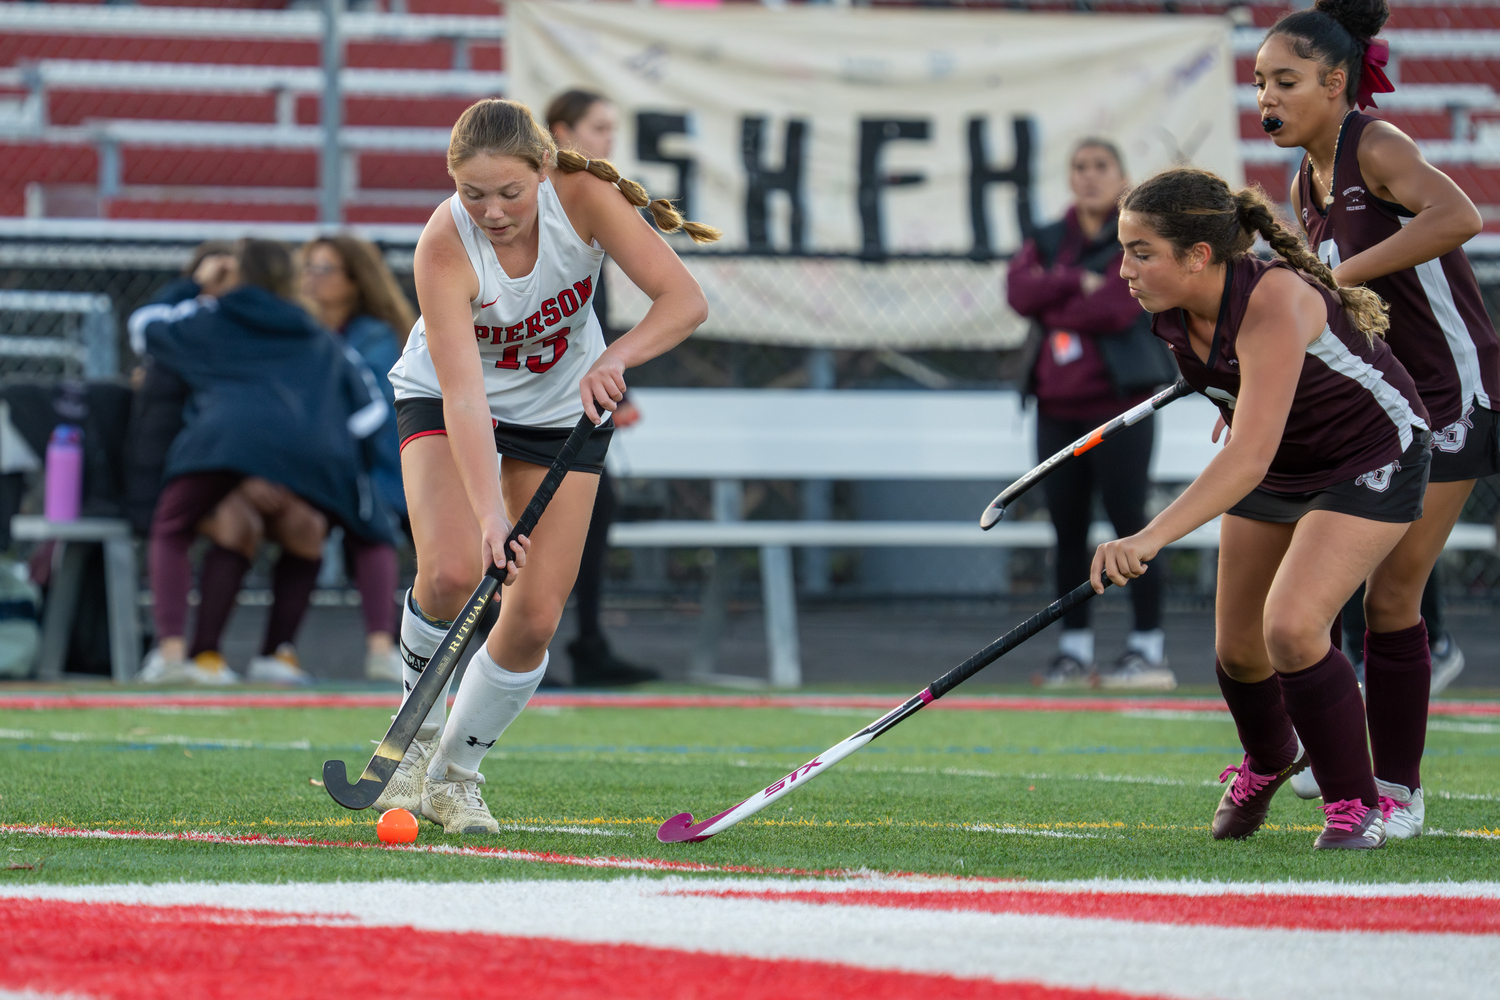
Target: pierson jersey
[
  {"x": 537, "y": 334},
  {"x": 1355, "y": 408},
  {"x": 1439, "y": 329}
]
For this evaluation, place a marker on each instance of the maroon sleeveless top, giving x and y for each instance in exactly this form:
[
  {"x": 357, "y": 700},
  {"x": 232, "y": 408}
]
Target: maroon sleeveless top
[
  {"x": 1355, "y": 409},
  {"x": 1439, "y": 328}
]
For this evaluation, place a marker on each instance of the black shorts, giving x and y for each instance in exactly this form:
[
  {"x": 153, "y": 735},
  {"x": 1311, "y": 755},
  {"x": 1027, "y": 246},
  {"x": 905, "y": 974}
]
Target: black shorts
[
  {"x": 1468, "y": 448},
  {"x": 1392, "y": 493},
  {"x": 420, "y": 416}
]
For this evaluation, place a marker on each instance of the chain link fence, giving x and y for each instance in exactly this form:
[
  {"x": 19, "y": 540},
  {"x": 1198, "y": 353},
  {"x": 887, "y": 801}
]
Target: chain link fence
[{"x": 63, "y": 306}]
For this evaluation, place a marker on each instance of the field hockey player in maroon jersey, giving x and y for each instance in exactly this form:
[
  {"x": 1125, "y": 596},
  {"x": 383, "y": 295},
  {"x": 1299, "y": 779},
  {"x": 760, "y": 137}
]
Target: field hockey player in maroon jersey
[
  {"x": 1380, "y": 215},
  {"x": 1323, "y": 471}
]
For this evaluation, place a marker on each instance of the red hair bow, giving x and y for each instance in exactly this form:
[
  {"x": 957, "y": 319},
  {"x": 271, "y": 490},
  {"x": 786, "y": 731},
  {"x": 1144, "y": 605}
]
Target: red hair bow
[{"x": 1372, "y": 79}]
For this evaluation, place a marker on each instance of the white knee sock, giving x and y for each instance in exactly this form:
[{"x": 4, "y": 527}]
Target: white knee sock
[
  {"x": 489, "y": 699},
  {"x": 1077, "y": 643},
  {"x": 1152, "y": 645},
  {"x": 419, "y": 641}
]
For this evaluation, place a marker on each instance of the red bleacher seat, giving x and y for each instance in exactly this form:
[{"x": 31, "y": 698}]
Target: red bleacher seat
[
  {"x": 377, "y": 112},
  {"x": 215, "y": 211},
  {"x": 1485, "y": 71},
  {"x": 292, "y": 168},
  {"x": 73, "y": 107},
  {"x": 367, "y": 54},
  {"x": 404, "y": 171},
  {"x": 23, "y": 162}
]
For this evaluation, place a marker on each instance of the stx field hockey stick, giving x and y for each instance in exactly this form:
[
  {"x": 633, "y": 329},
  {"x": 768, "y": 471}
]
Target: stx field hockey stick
[
  {"x": 681, "y": 828},
  {"x": 996, "y": 510},
  {"x": 363, "y": 793}
]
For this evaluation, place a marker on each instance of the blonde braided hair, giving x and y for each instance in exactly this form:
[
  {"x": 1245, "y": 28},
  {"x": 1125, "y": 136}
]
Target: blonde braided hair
[{"x": 506, "y": 128}]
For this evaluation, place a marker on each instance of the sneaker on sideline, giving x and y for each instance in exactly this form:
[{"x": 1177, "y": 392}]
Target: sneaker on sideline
[
  {"x": 280, "y": 668},
  {"x": 209, "y": 668},
  {"x": 1447, "y": 662},
  {"x": 384, "y": 666},
  {"x": 1066, "y": 672},
  {"x": 1402, "y": 809},
  {"x": 157, "y": 669},
  {"x": 1133, "y": 672},
  {"x": 1242, "y": 810},
  {"x": 1351, "y": 826},
  {"x": 454, "y": 801},
  {"x": 404, "y": 790}
]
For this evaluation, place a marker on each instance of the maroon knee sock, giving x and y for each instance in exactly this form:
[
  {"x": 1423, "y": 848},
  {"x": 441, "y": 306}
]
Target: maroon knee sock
[
  {"x": 1325, "y": 706},
  {"x": 291, "y": 591},
  {"x": 375, "y": 574},
  {"x": 219, "y": 582},
  {"x": 1398, "y": 674},
  {"x": 1265, "y": 729}
]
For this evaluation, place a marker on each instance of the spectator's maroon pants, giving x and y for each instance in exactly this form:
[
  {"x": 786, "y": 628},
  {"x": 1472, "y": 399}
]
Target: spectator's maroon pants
[{"x": 184, "y": 502}]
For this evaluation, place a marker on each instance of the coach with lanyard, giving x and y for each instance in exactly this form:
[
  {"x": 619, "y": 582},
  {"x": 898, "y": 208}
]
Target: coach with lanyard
[
  {"x": 1095, "y": 358},
  {"x": 1381, "y": 216},
  {"x": 505, "y": 357}
]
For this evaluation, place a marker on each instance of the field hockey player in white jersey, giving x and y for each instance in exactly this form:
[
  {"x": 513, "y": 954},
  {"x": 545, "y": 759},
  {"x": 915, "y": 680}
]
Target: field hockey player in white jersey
[{"x": 505, "y": 356}]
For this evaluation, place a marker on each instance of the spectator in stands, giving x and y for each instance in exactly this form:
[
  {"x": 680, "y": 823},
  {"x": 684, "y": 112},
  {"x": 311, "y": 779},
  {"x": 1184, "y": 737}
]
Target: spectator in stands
[
  {"x": 273, "y": 439},
  {"x": 1095, "y": 358},
  {"x": 353, "y": 293},
  {"x": 586, "y": 122}
]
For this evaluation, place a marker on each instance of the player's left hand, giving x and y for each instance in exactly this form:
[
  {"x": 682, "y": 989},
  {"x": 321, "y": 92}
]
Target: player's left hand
[
  {"x": 1123, "y": 560},
  {"x": 603, "y": 386}
]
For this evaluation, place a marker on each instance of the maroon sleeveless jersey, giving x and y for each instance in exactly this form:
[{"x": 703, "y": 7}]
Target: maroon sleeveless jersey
[
  {"x": 1355, "y": 410},
  {"x": 1439, "y": 328}
]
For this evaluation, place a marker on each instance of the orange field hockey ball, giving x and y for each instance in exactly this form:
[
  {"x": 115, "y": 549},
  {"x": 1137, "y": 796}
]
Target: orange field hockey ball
[{"x": 396, "y": 826}]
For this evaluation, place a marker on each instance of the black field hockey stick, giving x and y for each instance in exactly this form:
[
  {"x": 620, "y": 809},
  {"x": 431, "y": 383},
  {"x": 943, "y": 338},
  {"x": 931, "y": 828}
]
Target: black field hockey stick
[
  {"x": 681, "y": 828},
  {"x": 363, "y": 793},
  {"x": 996, "y": 510}
]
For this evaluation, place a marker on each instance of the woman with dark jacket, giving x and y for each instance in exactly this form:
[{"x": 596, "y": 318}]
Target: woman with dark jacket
[
  {"x": 351, "y": 292},
  {"x": 277, "y": 418},
  {"x": 1092, "y": 365}
]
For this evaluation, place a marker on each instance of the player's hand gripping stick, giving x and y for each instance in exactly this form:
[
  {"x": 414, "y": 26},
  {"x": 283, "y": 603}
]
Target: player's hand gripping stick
[
  {"x": 363, "y": 793},
  {"x": 681, "y": 827},
  {"x": 996, "y": 510}
]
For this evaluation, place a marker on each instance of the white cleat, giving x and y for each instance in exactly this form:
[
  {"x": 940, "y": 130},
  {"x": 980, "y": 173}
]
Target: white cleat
[
  {"x": 282, "y": 668},
  {"x": 1447, "y": 663},
  {"x": 384, "y": 666},
  {"x": 157, "y": 669},
  {"x": 1133, "y": 672},
  {"x": 1305, "y": 785},
  {"x": 1402, "y": 808},
  {"x": 454, "y": 801},
  {"x": 404, "y": 790},
  {"x": 208, "y": 668}
]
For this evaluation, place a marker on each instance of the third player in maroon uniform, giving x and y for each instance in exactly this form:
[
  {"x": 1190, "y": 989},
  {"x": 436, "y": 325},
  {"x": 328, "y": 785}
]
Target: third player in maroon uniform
[{"x": 1382, "y": 216}]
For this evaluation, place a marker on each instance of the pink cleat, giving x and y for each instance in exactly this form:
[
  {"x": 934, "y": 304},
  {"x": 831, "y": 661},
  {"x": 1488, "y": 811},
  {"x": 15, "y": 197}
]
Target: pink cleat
[
  {"x": 1351, "y": 825},
  {"x": 1243, "y": 808}
]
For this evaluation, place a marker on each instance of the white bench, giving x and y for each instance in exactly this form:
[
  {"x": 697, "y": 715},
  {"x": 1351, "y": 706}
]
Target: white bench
[{"x": 732, "y": 435}]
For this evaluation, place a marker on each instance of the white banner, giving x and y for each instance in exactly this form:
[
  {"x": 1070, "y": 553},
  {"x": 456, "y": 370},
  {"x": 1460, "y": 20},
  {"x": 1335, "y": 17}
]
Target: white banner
[{"x": 879, "y": 132}]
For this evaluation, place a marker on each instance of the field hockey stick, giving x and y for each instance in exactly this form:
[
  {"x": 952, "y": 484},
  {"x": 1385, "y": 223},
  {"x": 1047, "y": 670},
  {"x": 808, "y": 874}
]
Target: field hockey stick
[
  {"x": 681, "y": 828},
  {"x": 996, "y": 510},
  {"x": 363, "y": 793}
]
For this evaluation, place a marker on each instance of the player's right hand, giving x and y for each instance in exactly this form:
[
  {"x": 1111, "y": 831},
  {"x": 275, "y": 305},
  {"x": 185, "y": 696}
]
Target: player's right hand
[{"x": 493, "y": 532}]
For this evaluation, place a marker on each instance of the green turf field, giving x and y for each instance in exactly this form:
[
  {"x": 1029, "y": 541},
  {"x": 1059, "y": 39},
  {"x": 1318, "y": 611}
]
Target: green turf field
[{"x": 1037, "y": 795}]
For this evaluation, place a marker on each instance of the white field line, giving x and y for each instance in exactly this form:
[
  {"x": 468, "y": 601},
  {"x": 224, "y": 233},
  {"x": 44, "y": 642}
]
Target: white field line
[
  {"x": 1184, "y": 961},
  {"x": 590, "y": 831},
  {"x": 148, "y": 739},
  {"x": 1477, "y": 728},
  {"x": 1176, "y": 715},
  {"x": 987, "y": 828}
]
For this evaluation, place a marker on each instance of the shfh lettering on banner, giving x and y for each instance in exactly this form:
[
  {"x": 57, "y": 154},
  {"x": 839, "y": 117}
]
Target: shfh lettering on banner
[{"x": 836, "y": 148}]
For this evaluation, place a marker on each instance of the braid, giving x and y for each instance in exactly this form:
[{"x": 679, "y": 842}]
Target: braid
[
  {"x": 1364, "y": 308},
  {"x": 668, "y": 219}
]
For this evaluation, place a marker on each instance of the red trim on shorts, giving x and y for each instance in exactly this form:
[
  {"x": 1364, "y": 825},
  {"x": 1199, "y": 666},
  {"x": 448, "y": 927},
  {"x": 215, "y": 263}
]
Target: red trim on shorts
[{"x": 421, "y": 434}]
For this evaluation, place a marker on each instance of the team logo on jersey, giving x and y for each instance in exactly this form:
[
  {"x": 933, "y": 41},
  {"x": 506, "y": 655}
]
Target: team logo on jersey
[
  {"x": 1451, "y": 439},
  {"x": 1380, "y": 479},
  {"x": 1220, "y": 396},
  {"x": 1351, "y": 196}
]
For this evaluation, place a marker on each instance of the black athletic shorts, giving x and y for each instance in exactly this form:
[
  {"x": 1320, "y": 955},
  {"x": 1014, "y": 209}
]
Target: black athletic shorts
[
  {"x": 420, "y": 416},
  {"x": 1469, "y": 448},
  {"x": 1391, "y": 493}
]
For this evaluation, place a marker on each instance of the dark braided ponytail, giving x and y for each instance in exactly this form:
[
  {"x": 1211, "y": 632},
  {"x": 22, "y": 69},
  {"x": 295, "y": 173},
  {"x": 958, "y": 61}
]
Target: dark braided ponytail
[
  {"x": 668, "y": 219},
  {"x": 1186, "y": 207}
]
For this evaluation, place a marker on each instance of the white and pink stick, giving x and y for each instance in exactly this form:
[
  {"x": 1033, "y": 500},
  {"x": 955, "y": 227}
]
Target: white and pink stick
[{"x": 682, "y": 829}]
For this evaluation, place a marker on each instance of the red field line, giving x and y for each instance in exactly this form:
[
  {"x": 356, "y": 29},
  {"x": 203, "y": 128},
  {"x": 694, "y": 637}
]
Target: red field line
[
  {"x": 1404, "y": 914},
  {"x": 958, "y": 703},
  {"x": 138, "y": 952}
]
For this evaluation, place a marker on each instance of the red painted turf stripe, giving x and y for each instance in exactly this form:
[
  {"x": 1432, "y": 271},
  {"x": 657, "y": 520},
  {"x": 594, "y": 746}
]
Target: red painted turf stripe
[
  {"x": 139, "y": 952},
  {"x": 1406, "y": 914},
  {"x": 977, "y": 703}
]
